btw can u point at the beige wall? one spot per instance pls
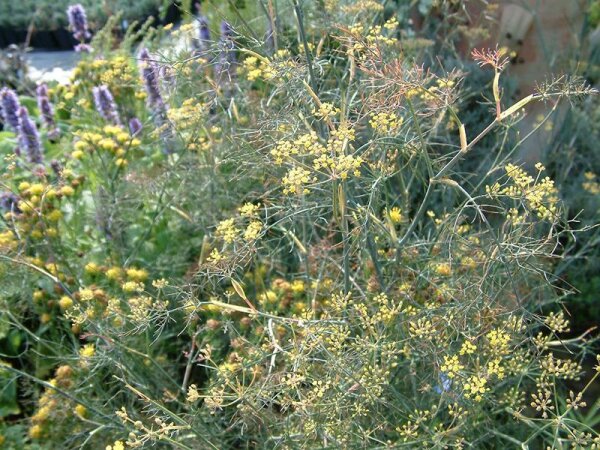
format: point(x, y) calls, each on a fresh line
point(546, 36)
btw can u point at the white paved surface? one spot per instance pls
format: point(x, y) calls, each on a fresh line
point(52, 65)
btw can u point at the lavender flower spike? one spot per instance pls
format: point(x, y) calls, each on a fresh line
point(9, 107)
point(9, 202)
point(204, 31)
point(105, 104)
point(29, 139)
point(150, 77)
point(78, 22)
point(135, 126)
point(47, 111)
point(227, 59)
point(83, 48)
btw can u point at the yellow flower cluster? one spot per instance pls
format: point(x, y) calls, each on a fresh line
point(467, 348)
point(395, 215)
point(356, 7)
point(557, 322)
point(375, 38)
point(422, 329)
point(117, 73)
point(385, 123)
point(38, 209)
point(113, 139)
point(249, 209)
point(8, 240)
point(295, 181)
point(498, 342)
point(253, 230)
point(326, 111)
point(257, 67)
point(590, 184)
point(303, 145)
point(475, 387)
point(451, 366)
point(227, 230)
point(188, 116)
point(539, 194)
point(49, 407)
point(334, 157)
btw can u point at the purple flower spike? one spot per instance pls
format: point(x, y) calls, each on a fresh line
point(9, 202)
point(29, 139)
point(56, 167)
point(135, 126)
point(150, 75)
point(9, 107)
point(78, 22)
point(227, 59)
point(47, 111)
point(270, 38)
point(204, 33)
point(105, 104)
point(83, 48)
point(226, 30)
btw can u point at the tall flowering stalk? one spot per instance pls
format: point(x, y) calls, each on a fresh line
point(270, 38)
point(203, 42)
point(135, 126)
point(47, 111)
point(149, 72)
point(29, 139)
point(79, 26)
point(9, 107)
point(204, 31)
point(225, 69)
point(9, 202)
point(150, 77)
point(105, 104)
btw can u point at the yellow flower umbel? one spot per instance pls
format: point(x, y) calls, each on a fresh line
point(249, 210)
point(385, 123)
point(538, 195)
point(326, 111)
point(296, 180)
point(395, 215)
point(451, 366)
point(475, 387)
point(227, 230)
point(135, 274)
point(87, 351)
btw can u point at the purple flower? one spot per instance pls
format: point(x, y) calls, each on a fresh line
point(78, 22)
point(105, 104)
point(150, 76)
point(135, 126)
point(29, 139)
point(47, 111)
point(204, 33)
point(83, 48)
point(56, 167)
point(9, 106)
point(446, 384)
point(9, 202)
point(225, 68)
point(270, 38)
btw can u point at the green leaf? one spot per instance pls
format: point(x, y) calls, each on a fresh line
point(8, 394)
